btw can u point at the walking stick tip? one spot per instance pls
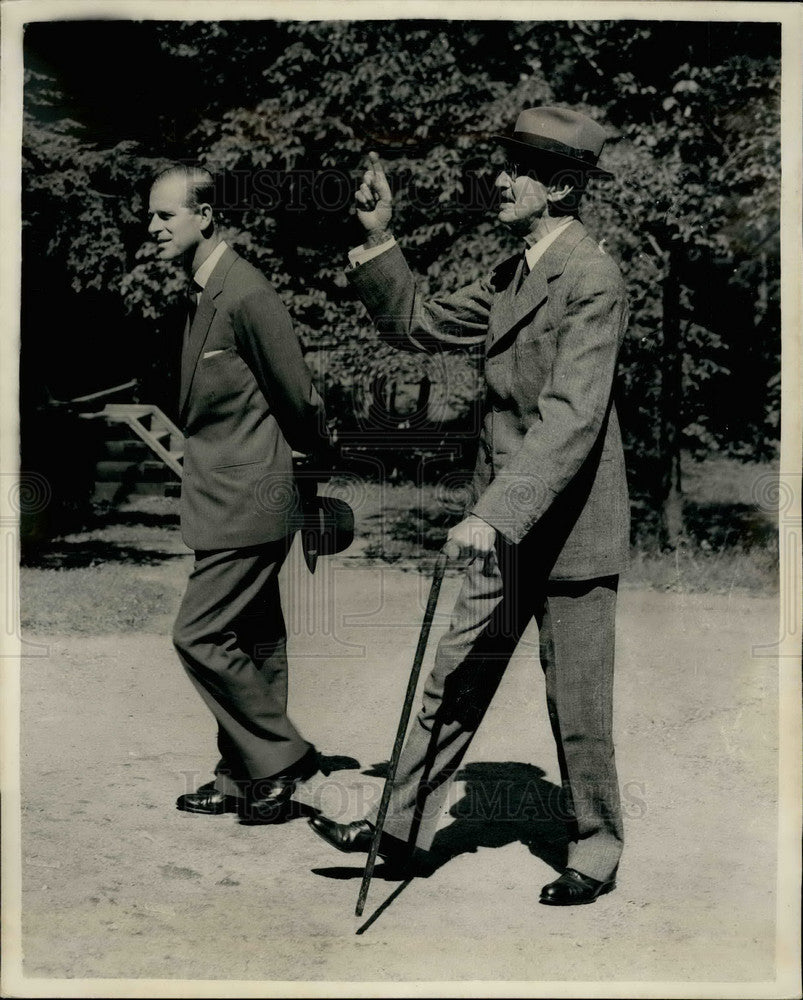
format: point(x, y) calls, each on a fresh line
point(429, 613)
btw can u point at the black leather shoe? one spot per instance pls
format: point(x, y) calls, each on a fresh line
point(573, 889)
point(270, 797)
point(208, 801)
point(346, 837)
point(356, 837)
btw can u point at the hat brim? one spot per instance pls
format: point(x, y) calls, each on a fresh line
point(557, 161)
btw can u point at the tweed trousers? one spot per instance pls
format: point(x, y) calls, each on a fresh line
point(499, 597)
point(231, 638)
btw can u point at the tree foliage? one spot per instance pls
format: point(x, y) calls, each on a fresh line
point(286, 111)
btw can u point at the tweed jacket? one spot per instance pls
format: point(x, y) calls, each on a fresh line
point(550, 467)
point(247, 400)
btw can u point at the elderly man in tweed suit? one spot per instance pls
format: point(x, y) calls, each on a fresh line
point(548, 528)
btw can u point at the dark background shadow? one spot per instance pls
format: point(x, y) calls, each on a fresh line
point(94, 552)
point(720, 526)
point(74, 550)
point(135, 519)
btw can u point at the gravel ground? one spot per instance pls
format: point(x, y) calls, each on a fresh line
point(117, 884)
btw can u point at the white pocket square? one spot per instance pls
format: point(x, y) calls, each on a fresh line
point(211, 354)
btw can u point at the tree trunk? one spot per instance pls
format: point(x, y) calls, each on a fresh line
point(422, 406)
point(670, 515)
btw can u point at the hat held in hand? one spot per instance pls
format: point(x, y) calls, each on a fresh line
point(558, 140)
point(328, 528)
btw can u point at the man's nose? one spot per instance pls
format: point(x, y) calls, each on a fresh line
point(154, 225)
point(503, 180)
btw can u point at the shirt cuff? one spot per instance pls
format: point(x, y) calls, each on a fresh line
point(362, 254)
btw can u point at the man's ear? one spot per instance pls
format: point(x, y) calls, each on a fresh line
point(558, 194)
point(207, 216)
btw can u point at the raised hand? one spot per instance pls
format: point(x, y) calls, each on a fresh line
point(373, 197)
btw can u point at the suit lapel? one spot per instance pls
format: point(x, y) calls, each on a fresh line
point(201, 323)
point(511, 306)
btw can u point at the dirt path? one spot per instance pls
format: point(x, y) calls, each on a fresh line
point(117, 883)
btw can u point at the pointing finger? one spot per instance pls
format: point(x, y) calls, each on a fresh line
point(379, 180)
point(376, 164)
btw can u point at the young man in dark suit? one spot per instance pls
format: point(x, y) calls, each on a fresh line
point(246, 401)
point(548, 528)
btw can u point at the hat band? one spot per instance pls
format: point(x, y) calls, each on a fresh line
point(553, 146)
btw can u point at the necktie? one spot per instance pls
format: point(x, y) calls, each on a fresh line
point(525, 270)
point(193, 290)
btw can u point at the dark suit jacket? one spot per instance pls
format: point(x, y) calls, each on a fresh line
point(550, 470)
point(243, 409)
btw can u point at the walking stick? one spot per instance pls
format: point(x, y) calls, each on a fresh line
point(434, 590)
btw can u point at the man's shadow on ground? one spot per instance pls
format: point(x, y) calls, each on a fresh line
point(503, 803)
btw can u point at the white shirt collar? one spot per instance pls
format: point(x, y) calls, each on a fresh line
point(204, 272)
point(537, 250)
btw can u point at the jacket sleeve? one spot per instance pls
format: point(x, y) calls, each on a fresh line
point(405, 320)
point(572, 407)
point(268, 344)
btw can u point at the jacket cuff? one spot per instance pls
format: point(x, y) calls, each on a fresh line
point(513, 504)
point(363, 253)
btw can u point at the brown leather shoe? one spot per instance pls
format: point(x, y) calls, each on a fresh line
point(208, 801)
point(574, 889)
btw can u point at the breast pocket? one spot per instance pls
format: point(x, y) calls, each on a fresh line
point(221, 374)
point(216, 356)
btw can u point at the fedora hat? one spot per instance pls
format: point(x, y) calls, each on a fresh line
point(558, 138)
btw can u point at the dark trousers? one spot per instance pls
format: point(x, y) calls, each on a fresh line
point(231, 638)
point(499, 597)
